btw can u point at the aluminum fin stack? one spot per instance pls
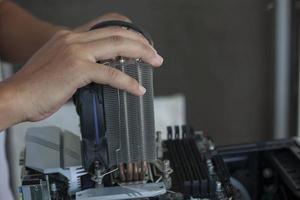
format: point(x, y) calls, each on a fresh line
point(129, 119)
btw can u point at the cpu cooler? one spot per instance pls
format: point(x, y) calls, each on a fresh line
point(117, 127)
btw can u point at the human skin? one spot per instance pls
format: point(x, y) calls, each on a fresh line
point(59, 61)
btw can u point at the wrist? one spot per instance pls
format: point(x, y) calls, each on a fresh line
point(10, 108)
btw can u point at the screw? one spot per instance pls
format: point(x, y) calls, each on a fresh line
point(210, 166)
point(53, 187)
point(218, 186)
point(267, 173)
point(121, 60)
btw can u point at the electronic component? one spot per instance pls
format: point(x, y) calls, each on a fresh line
point(190, 166)
point(199, 172)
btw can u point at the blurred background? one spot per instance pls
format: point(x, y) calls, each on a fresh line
point(218, 54)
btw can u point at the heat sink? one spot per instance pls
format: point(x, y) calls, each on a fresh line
point(129, 119)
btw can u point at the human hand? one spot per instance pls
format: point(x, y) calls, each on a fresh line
point(69, 61)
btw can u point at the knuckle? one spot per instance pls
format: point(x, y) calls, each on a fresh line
point(112, 73)
point(147, 50)
point(144, 47)
point(72, 57)
point(116, 39)
point(73, 49)
point(132, 83)
point(67, 38)
point(77, 63)
point(61, 33)
point(74, 64)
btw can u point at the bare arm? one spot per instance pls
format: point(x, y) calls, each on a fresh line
point(21, 34)
point(63, 64)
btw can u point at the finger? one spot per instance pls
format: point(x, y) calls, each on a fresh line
point(103, 74)
point(110, 31)
point(113, 16)
point(106, 17)
point(114, 46)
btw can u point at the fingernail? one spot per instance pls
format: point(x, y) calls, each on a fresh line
point(160, 59)
point(142, 89)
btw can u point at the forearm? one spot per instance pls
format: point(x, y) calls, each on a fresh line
point(10, 112)
point(21, 34)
